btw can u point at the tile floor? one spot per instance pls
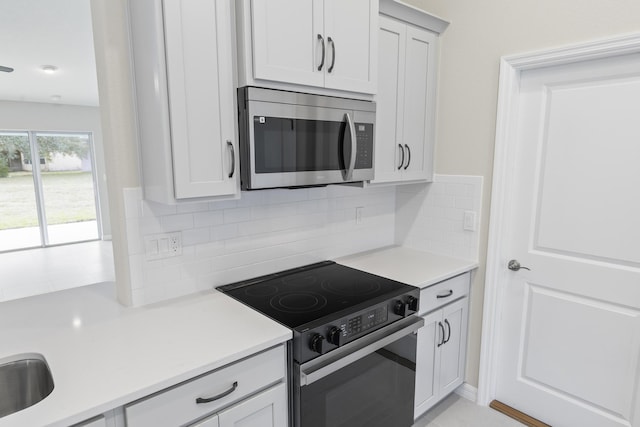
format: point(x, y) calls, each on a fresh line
point(38, 271)
point(456, 411)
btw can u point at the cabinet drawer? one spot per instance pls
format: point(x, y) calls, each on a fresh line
point(177, 405)
point(444, 292)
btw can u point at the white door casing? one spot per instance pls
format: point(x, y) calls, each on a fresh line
point(562, 342)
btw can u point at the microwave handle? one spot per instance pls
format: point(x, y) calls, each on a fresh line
point(348, 173)
point(322, 367)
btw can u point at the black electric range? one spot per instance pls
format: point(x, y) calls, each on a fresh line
point(327, 305)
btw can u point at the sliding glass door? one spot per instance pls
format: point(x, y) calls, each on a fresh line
point(47, 189)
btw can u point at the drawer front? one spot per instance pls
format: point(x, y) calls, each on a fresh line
point(177, 405)
point(443, 293)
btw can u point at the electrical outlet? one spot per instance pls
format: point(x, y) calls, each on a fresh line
point(158, 246)
point(175, 244)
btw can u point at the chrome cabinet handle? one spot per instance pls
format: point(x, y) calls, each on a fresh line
point(441, 330)
point(447, 295)
point(449, 331)
point(218, 396)
point(514, 265)
point(233, 158)
point(333, 56)
point(348, 173)
point(321, 63)
point(401, 161)
point(409, 156)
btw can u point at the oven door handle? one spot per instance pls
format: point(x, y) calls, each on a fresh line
point(319, 368)
point(353, 147)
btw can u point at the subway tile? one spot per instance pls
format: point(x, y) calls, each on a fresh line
point(237, 215)
point(195, 236)
point(192, 207)
point(224, 232)
point(208, 219)
point(152, 209)
point(464, 203)
point(177, 222)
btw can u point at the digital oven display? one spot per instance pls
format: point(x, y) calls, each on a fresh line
point(368, 320)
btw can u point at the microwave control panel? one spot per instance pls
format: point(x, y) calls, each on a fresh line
point(364, 141)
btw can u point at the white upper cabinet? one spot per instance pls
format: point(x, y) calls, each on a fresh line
point(329, 44)
point(184, 78)
point(406, 98)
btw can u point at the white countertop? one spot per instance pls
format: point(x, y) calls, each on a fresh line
point(102, 355)
point(410, 266)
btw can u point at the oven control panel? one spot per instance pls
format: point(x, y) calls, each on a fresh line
point(322, 339)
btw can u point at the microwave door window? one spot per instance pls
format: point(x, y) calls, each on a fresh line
point(297, 145)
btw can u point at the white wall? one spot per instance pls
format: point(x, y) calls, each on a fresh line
point(52, 117)
point(480, 33)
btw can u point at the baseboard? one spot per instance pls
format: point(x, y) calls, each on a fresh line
point(467, 391)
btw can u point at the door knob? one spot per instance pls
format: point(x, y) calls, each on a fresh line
point(514, 265)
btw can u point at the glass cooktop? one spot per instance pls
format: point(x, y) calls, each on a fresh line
point(305, 294)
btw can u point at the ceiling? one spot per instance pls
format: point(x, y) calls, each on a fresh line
point(34, 33)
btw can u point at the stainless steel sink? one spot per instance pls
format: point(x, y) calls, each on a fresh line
point(25, 380)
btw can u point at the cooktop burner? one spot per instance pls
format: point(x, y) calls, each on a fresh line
point(302, 295)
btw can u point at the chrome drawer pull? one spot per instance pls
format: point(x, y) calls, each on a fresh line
point(447, 295)
point(219, 396)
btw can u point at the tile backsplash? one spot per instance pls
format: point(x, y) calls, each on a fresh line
point(430, 217)
point(271, 230)
point(262, 232)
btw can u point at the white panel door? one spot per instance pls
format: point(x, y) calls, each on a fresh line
point(570, 328)
point(390, 99)
point(419, 104)
point(351, 30)
point(286, 46)
point(267, 409)
point(200, 79)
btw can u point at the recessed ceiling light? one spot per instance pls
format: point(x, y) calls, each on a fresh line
point(49, 69)
point(56, 97)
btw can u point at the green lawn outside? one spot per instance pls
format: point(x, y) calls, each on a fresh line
point(68, 197)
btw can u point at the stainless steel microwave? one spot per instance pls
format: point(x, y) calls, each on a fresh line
point(290, 139)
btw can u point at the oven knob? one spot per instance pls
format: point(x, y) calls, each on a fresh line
point(318, 344)
point(413, 303)
point(401, 308)
point(335, 336)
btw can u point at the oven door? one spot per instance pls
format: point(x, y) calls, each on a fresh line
point(368, 382)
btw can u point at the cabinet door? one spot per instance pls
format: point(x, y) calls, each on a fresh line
point(199, 59)
point(427, 363)
point(286, 47)
point(419, 103)
point(267, 409)
point(207, 422)
point(390, 100)
point(351, 54)
point(453, 351)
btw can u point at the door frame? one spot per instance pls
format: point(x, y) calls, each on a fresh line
point(501, 193)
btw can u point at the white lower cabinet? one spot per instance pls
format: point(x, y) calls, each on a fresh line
point(249, 393)
point(266, 409)
point(442, 341)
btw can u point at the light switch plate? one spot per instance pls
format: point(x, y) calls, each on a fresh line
point(469, 221)
point(159, 246)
